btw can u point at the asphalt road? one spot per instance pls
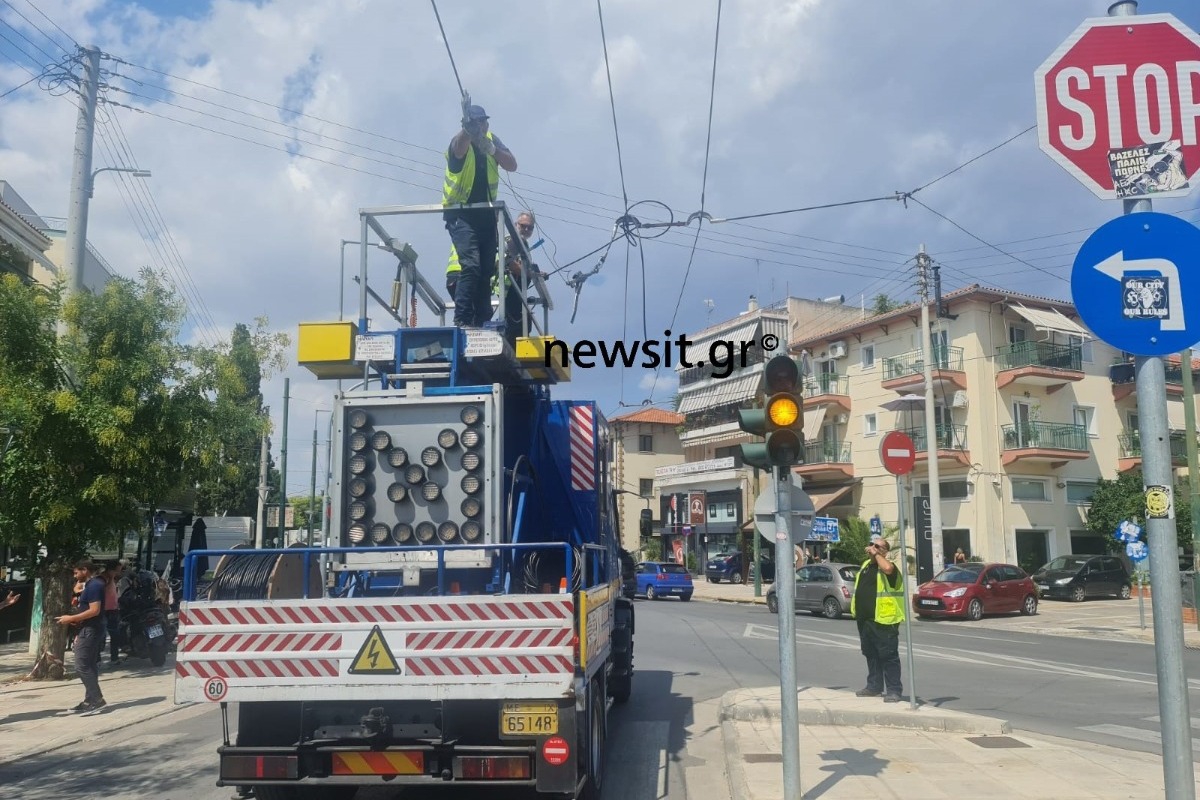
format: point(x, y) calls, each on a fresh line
point(666, 742)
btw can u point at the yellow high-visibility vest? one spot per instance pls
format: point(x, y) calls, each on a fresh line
point(889, 602)
point(457, 188)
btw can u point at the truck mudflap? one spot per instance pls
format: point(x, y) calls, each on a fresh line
point(477, 647)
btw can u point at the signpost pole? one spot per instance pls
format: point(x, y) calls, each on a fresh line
point(908, 612)
point(757, 546)
point(785, 590)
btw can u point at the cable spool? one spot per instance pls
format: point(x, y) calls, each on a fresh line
point(264, 576)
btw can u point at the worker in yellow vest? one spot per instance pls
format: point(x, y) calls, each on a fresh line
point(878, 606)
point(514, 269)
point(473, 160)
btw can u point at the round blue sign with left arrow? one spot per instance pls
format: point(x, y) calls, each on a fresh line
point(1136, 283)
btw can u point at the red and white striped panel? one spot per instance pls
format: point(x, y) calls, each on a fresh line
point(259, 642)
point(490, 639)
point(549, 609)
point(449, 666)
point(259, 668)
point(583, 448)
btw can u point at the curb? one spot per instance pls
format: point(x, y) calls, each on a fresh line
point(735, 773)
point(735, 600)
point(736, 706)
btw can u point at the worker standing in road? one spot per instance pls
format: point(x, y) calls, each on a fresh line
point(878, 606)
point(472, 176)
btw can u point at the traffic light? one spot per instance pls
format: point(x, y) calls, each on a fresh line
point(780, 421)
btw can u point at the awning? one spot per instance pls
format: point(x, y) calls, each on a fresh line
point(825, 498)
point(720, 393)
point(745, 332)
point(813, 419)
point(1050, 320)
point(32, 252)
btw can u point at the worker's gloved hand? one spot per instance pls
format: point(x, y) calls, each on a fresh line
point(466, 103)
point(487, 146)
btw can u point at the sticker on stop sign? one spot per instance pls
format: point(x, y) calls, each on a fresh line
point(1119, 106)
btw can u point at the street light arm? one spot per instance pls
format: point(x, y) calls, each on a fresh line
point(137, 173)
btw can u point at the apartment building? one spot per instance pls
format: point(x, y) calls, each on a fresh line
point(704, 503)
point(1031, 411)
point(43, 241)
point(643, 441)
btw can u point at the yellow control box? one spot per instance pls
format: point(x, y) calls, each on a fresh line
point(326, 349)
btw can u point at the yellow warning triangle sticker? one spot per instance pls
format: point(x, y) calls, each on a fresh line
point(374, 657)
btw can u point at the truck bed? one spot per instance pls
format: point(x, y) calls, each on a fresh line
point(476, 647)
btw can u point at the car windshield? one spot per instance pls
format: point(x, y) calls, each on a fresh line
point(958, 575)
point(674, 569)
point(1071, 563)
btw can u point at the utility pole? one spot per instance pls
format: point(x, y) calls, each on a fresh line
point(931, 437)
point(1179, 772)
point(312, 487)
point(1189, 425)
point(785, 594)
point(81, 171)
point(757, 546)
point(261, 521)
point(283, 439)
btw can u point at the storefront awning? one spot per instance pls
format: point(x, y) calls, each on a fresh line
point(825, 498)
point(1050, 320)
point(813, 419)
point(721, 393)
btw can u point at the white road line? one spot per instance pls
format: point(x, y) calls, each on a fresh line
point(1127, 732)
point(1156, 718)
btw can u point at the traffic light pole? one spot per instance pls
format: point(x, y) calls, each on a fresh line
point(785, 592)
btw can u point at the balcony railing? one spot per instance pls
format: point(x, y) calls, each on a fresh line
point(913, 363)
point(826, 384)
point(949, 437)
point(1123, 372)
point(1040, 354)
point(827, 453)
point(1131, 445)
point(1050, 435)
point(753, 355)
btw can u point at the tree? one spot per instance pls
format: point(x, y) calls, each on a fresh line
point(1124, 499)
point(882, 304)
point(854, 533)
point(113, 416)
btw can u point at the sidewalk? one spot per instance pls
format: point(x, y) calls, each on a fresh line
point(1099, 618)
point(850, 748)
point(34, 715)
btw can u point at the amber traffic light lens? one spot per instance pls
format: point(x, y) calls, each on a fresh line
point(783, 412)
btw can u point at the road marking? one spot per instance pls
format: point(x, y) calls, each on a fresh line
point(1157, 719)
point(1127, 732)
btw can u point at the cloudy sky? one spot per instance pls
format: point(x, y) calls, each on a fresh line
point(267, 125)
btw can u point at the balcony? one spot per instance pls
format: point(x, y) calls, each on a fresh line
point(1131, 450)
point(907, 372)
point(1039, 364)
point(1124, 378)
point(950, 443)
point(833, 390)
point(826, 461)
point(1053, 442)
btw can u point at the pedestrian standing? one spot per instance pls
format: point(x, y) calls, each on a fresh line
point(959, 556)
point(473, 162)
point(878, 607)
point(112, 611)
point(89, 615)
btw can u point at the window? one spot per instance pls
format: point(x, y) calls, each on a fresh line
point(729, 510)
point(712, 510)
point(1080, 492)
point(1029, 489)
point(870, 424)
point(1012, 573)
point(820, 574)
point(646, 487)
point(868, 356)
point(1085, 416)
point(1131, 422)
point(950, 490)
point(645, 443)
point(1015, 334)
point(1085, 346)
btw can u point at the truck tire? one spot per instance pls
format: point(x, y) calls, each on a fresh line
point(597, 727)
point(620, 682)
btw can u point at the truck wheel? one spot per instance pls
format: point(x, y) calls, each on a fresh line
point(158, 651)
point(620, 681)
point(597, 734)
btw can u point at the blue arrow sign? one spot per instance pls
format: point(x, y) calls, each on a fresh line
point(1136, 283)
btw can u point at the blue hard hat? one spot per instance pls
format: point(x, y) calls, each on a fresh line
point(476, 112)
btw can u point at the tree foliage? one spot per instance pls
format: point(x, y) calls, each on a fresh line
point(1123, 498)
point(853, 533)
point(882, 304)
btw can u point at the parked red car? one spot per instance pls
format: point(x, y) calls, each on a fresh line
point(972, 590)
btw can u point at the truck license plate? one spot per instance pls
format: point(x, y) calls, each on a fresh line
point(154, 631)
point(528, 719)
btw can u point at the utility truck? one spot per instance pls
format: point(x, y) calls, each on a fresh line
point(463, 623)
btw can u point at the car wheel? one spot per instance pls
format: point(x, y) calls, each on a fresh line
point(651, 594)
point(735, 577)
point(685, 597)
point(1029, 605)
point(1078, 594)
point(1125, 592)
point(772, 604)
point(832, 608)
point(711, 579)
point(975, 610)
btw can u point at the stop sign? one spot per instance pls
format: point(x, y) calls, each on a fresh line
point(1115, 85)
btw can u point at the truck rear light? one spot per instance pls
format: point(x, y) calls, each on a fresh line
point(260, 767)
point(490, 768)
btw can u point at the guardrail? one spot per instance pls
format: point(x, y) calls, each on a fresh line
point(947, 437)
point(913, 363)
point(1052, 435)
point(827, 453)
point(1040, 354)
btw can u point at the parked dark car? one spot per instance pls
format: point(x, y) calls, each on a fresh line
point(1080, 577)
point(725, 567)
point(821, 589)
point(657, 579)
point(768, 570)
point(628, 572)
point(972, 590)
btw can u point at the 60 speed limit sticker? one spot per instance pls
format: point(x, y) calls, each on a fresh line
point(215, 689)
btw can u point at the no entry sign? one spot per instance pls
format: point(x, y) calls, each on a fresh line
point(1118, 106)
point(898, 453)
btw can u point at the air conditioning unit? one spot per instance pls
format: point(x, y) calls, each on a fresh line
point(837, 349)
point(841, 419)
point(960, 400)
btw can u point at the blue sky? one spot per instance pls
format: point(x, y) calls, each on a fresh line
point(817, 101)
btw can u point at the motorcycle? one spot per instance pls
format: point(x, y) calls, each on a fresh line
point(145, 626)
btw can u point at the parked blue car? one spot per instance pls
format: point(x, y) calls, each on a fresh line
point(656, 579)
point(725, 567)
